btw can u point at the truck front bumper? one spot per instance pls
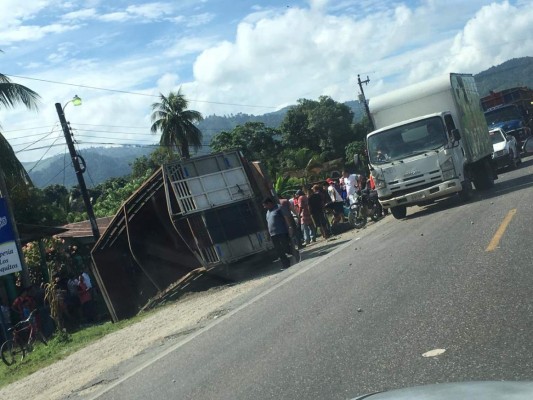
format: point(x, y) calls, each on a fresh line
point(440, 190)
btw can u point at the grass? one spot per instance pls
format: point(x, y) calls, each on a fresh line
point(59, 347)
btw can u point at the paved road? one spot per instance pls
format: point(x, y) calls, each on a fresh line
point(423, 283)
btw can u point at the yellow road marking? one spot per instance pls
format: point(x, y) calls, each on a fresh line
point(501, 230)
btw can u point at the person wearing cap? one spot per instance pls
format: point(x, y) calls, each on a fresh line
point(306, 222)
point(281, 231)
point(337, 203)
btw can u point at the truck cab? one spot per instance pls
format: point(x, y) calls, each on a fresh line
point(431, 141)
point(416, 161)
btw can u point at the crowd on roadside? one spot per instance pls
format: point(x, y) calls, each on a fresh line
point(75, 300)
point(300, 219)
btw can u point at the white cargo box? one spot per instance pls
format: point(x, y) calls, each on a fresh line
point(206, 182)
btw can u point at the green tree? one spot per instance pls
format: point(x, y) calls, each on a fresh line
point(176, 123)
point(297, 159)
point(115, 194)
point(12, 94)
point(32, 207)
point(255, 140)
point(144, 165)
point(324, 127)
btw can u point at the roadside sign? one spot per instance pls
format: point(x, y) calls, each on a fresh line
point(9, 255)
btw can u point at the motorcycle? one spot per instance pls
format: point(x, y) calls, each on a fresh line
point(364, 204)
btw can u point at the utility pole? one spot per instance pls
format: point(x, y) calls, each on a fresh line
point(79, 171)
point(363, 99)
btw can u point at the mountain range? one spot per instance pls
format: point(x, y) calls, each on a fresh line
point(108, 162)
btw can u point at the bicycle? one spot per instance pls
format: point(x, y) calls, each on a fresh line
point(24, 335)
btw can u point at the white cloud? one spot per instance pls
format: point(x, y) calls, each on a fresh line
point(119, 16)
point(199, 19)
point(32, 32)
point(150, 10)
point(188, 45)
point(498, 32)
point(147, 12)
point(86, 13)
point(277, 57)
point(14, 16)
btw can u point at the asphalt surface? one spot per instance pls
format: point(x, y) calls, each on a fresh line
point(358, 319)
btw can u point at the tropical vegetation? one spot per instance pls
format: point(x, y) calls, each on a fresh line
point(176, 124)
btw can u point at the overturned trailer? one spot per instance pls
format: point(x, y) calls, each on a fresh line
point(196, 213)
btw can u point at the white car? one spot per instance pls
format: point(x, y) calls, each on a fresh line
point(505, 149)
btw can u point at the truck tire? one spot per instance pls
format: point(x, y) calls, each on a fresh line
point(465, 195)
point(399, 212)
point(483, 176)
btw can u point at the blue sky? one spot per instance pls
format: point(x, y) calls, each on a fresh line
point(233, 56)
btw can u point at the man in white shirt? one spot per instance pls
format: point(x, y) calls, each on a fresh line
point(352, 183)
point(337, 203)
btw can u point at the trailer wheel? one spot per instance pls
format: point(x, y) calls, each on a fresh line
point(399, 212)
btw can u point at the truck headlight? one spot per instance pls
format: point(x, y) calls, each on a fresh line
point(379, 180)
point(448, 169)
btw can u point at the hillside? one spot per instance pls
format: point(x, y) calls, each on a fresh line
point(511, 73)
point(102, 163)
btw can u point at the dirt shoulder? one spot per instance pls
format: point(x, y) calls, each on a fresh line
point(76, 375)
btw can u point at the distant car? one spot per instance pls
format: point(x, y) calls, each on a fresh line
point(505, 149)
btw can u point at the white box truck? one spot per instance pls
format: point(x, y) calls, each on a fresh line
point(431, 141)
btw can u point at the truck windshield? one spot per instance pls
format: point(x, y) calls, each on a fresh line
point(502, 114)
point(407, 140)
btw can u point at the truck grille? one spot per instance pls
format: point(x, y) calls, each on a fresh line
point(401, 192)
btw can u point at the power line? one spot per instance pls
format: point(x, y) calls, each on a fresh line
point(25, 143)
point(38, 140)
point(134, 93)
point(39, 148)
point(122, 133)
point(26, 136)
point(26, 129)
point(105, 137)
point(112, 126)
point(40, 159)
point(51, 179)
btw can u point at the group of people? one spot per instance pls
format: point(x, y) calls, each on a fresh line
point(75, 294)
point(295, 222)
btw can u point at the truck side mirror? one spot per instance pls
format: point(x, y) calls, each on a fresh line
point(356, 160)
point(455, 134)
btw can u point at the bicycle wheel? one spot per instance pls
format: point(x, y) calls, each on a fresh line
point(11, 352)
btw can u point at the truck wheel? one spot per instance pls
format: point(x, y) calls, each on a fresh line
point(399, 212)
point(483, 176)
point(465, 195)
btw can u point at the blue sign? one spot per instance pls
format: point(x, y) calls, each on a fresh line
point(9, 255)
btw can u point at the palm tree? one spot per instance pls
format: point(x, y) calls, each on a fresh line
point(176, 124)
point(12, 94)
